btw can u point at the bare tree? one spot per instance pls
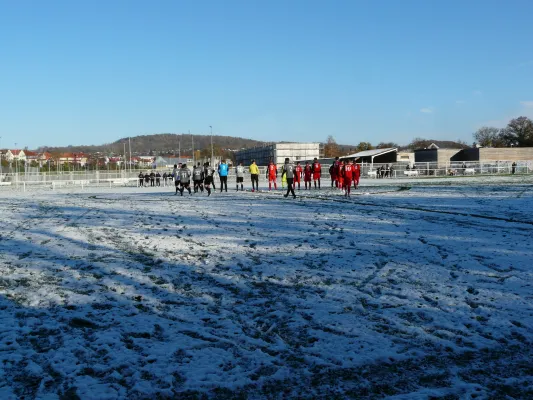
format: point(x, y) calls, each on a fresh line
point(331, 148)
point(489, 137)
point(362, 146)
point(419, 143)
point(386, 145)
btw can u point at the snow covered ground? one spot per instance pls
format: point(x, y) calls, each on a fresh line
point(411, 289)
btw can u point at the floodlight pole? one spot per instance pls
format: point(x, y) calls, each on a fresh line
point(129, 141)
point(192, 139)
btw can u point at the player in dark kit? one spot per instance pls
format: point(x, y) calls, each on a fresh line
point(198, 178)
point(185, 179)
point(317, 172)
point(308, 171)
point(288, 171)
point(209, 172)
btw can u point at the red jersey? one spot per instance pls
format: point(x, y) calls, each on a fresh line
point(348, 172)
point(357, 171)
point(317, 170)
point(272, 170)
point(298, 173)
point(307, 172)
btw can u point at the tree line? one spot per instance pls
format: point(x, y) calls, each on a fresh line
point(517, 133)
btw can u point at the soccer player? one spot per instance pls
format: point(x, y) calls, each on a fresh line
point(176, 176)
point(198, 178)
point(347, 172)
point(209, 172)
point(334, 171)
point(272, 174)
point(239, 173)
point(287, 171)
point(223, 174)
point(340, 176)
point(185, 179)
point(298, 172)
point(356, 174)
point(308, 171)
point(317, 172)
point(254, 174)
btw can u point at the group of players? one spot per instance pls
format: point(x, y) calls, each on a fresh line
point(202, 177)
point(343, 175)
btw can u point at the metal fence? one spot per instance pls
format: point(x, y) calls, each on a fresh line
point(434, 169)
point(56, 180)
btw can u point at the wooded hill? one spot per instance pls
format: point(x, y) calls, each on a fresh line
point(165, 143)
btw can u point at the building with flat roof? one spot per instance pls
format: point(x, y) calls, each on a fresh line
point(376, 156)
point(483, 154)
point(435, 155)
point(277, 152)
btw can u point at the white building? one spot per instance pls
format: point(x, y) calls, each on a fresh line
point(277, 152)
point(12, 155)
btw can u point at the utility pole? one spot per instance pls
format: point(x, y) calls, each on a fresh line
point(211, 144)
point(125, 158)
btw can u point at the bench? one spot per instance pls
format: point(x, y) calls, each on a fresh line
point(411, 173)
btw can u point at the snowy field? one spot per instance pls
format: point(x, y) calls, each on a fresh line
point(411, 289)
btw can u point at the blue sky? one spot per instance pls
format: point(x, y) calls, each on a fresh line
point(91, 72)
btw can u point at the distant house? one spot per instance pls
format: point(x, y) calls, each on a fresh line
point(145, 161)
point(79, 159)
point(31, 156)
point(14, 155)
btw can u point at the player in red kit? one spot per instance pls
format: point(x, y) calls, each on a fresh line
point(317, 172)
point(308, 171)
point(298, 172)
point(340, 176)
point(348, 175)
point(272, 174)
point(357, 174)
point(334, 172)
